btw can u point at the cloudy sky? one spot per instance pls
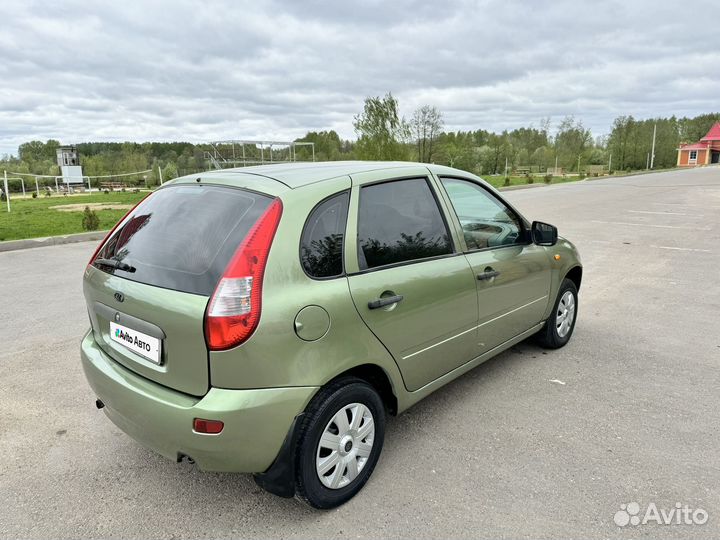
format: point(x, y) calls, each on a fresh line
point(201, 71)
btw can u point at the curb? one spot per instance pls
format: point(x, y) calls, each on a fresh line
point(28, 243)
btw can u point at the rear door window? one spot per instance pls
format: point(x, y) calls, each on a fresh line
point(400, 221)
point(182, 237)
point(321, 247)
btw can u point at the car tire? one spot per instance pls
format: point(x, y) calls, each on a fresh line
point(353, 444)
point(557, 330)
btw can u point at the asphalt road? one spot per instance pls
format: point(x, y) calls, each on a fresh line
point(531, 443)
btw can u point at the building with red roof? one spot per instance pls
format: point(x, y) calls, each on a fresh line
point(703, 152)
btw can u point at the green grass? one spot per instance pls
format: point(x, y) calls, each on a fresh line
point(499, 181)
point(33, 218)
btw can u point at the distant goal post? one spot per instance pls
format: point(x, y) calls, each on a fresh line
point(243, 153)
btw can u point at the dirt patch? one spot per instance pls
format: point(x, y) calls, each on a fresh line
point(93, 206)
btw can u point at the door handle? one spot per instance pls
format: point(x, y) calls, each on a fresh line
point(489, 273)
point(386, 301)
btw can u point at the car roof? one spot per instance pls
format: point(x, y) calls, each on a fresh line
point(295, 175)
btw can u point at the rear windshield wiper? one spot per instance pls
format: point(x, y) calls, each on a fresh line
point(114, 263)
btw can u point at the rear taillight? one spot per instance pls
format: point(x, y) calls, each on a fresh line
point(234, 309)
point(108, 235)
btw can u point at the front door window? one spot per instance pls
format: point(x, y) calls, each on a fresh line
point(486, 222)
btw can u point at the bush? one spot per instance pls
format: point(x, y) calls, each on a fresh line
point(106, 191)
point(34, 194)
point(90, 221)
point(48, 193)
point(507, 181)
point(548, 178)
point(529, 178)
point(136, 190)
point(123, 190)
point(3, 197)
point(581, 176)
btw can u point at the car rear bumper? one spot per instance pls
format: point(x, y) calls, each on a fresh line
point(256, 421)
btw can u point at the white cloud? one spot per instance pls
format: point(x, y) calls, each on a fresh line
point(202, 71)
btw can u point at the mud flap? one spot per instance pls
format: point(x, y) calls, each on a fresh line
point(279, 479)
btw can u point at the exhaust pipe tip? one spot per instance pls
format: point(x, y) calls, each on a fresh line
point(99, 404)
point(184, 457)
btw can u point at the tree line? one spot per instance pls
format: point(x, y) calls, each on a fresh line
point(384, 134)
point(169, 159)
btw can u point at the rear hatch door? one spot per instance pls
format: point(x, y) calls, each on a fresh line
point(148, 286)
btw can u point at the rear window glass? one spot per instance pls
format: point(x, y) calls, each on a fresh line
point(321, 247)
point(182, 237)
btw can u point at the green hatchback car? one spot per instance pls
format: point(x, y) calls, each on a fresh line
point(267, 319)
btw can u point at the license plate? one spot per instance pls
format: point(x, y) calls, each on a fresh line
point(146, 346)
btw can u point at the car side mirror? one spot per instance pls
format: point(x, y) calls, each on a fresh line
point(544, 234)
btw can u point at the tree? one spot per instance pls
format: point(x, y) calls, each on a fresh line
point(38, 150)
point(426, 125)
point(381, 131)
point(618, 143)
point(90, 220)
point(328, 146)
point(457, 149)
point(571, 141)
point(692, 129)
point(500, 150)
point(169, 172)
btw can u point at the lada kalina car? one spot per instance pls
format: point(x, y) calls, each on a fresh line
point(268, 319)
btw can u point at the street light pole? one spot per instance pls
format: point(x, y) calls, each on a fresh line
point(652, 154)
point(7, 193)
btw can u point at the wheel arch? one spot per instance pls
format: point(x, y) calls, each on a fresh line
point(575, 275)
point(378, 378)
